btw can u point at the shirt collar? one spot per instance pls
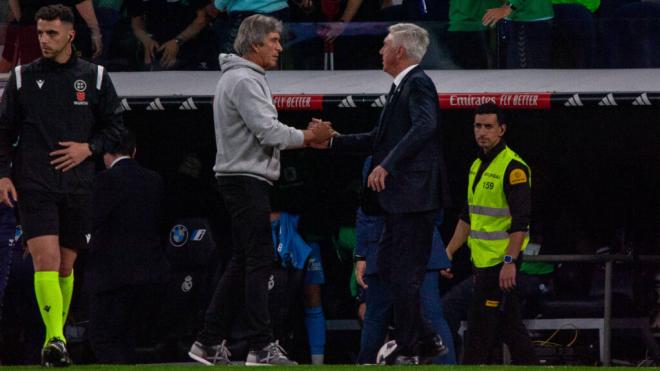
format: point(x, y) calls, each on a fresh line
point(402, 74)
point(117, 160)
point(487, 157)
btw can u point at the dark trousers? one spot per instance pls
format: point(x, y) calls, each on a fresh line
point(246, 277)
point(524, 44)
point(117, 318)
point(404, 252)
point(495, 317)
point(469, 50)
point(379, 314)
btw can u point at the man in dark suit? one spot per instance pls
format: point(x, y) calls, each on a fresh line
point(408, 176)
point(126, 263)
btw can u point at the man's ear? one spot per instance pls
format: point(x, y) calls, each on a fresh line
point(401, 52)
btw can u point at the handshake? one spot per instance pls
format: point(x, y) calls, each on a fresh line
point(318, 134)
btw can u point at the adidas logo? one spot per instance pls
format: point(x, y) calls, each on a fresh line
point(125, 105)
point(642, 100)
point(156, 105)
point(188, 105)
point(40, 83)
point(88, 237)
point(608, 100)
point(347, 102)
point(574, 101)
point(380, 101)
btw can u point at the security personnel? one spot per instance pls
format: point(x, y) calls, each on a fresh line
point(64, 110)
point(495, 224)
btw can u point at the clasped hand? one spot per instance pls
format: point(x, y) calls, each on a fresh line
point(322, 131)
point(70, 156)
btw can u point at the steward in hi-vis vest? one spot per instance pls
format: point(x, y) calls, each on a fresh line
point(495, 225)
point(488, 208)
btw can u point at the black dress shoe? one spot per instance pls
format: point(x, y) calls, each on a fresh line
point(430, 347)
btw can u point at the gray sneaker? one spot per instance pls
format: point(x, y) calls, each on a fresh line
point(210, 355)
point(271, 354)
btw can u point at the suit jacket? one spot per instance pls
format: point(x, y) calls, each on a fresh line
point(125, 247)
point(407, 142)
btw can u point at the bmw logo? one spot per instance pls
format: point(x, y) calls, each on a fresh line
point(178, 235)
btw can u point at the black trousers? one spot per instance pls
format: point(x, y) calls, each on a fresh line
point(116, 318)
point(495, 317)
point(246, 277)
point(405, 248)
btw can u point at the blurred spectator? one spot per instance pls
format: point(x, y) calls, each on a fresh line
point(108, 13)
point(467, 38)
point(574, 33)
point(414, 10)
point(126, 265)
point(336, 25)
point(9, 55)
point(22, 332)
point(591, 5)
point(523, 40)
point(88, 41)
point(332, 42)
point(295, 254)
point(391, 10)
point(170, 32)
point(632, 36)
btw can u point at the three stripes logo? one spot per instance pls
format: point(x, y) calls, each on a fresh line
point(125, 105)
point(380, 101)
point(574, 101)
point(347, 102)
point(608, 100)
point(156, 105)
point(188, 105)
point(642, 100)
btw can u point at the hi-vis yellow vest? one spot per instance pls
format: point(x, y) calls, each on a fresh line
point(490, 218)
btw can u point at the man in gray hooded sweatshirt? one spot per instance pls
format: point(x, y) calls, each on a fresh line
point(249, 139)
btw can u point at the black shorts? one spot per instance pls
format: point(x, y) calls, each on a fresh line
point(66, 215)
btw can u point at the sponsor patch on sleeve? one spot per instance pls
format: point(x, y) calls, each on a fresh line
point(517, 176)
point(492, 303)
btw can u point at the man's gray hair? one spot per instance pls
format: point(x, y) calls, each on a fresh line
point(253, 30)
point(412, 38)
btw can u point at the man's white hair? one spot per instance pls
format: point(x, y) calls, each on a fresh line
point(412, 38)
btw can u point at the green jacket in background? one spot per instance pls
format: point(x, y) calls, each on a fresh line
point(592, 5)
point(465, 15)
point(531, 10)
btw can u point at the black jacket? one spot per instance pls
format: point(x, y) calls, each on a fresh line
point(45, 103)
point(407, 142)
point(126, 245)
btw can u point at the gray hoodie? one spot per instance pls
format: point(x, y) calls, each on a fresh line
point(248, 134)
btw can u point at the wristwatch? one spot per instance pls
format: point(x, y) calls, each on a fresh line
point(508, 259)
